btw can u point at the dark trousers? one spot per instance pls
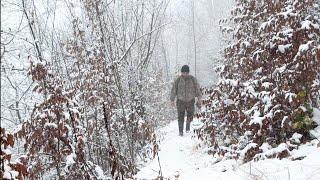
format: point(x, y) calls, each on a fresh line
point(183, 107)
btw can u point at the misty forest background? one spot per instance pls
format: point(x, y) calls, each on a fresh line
point(85, 83)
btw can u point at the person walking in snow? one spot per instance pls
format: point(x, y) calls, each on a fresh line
point(186, 89)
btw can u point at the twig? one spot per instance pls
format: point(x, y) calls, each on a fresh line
point(160, 171)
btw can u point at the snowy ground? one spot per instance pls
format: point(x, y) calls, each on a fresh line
point(181, 159)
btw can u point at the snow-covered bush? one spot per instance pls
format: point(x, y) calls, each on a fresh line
point(10, 169)
point(54, 137)
point(269, 80)
point(99, 97)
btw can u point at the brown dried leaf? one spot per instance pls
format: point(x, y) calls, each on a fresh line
point(10, 140)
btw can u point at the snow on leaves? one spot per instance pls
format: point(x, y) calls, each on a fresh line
point(10, 169)
point(270, 74)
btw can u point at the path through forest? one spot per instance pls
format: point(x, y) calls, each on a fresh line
point(181, 159)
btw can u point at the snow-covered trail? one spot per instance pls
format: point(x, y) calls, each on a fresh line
point(182, 159)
